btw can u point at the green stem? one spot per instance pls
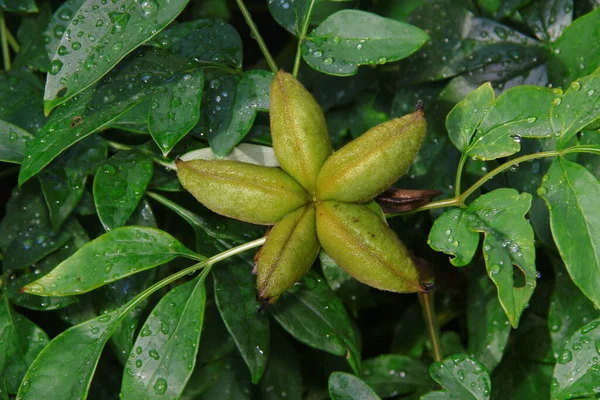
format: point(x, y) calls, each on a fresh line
point(259, 39)
point(12, 41)
point(4, 39)
point(426, 300)
point(459, 201)
point(459, 170)
point(125, 147)
point(301, 37)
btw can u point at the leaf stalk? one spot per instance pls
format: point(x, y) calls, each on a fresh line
point(4, 40)
point(257, 36)
point(301, 37)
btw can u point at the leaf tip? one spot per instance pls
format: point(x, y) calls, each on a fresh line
point(33, 288)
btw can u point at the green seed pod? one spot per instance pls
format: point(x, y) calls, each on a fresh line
point(362, 244)
point(248, 192)
point(372, 163)
point(300, 139)
point(288, 253)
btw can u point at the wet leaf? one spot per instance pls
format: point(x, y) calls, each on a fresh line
point(22, 340)
point(32, 54)
point(109, 31)
point(119, 186)
point(461, 377)
point(391, 375)
point(13, 142)
point(282, 378)
point(350, 38)
point(548, 18)
point(235, 294)
point(313, 314)
point(164, 353)
point(343, 386)
point(570, 192)
point(19, 6)
point(578, 369)
point(451, 234)
point(114, 255)
point(231, 105)
point(59, 21)
point(576, 52)
point(20, 102)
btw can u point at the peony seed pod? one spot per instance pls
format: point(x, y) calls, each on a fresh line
point(300, 139)
point(248, 192)
point(372, 163)
point(363, 245)
point(288, 253)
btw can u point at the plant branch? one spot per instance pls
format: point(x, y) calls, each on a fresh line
point(121, 146)
point(426, 300)
point(4, 39)
point(259, 39)
point(301, 37)
point(12, 41)
point(459, 170)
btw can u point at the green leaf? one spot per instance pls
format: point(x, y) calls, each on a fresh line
point(25, 212)
point(109, 31)
point(576, 52)
point(20, 100)
point(519, 112)
point(548, 18)
point(235, 295)
point(350, 38)
point(577, 108)
point(291, 15)
point(75, 353)
point(164, 354)
point(19, 6)
point(451, 234)
point(63, 183)
point(232, 381)
point(133, 120)
point(463, 43)
point(343, 386)
point(32, 54)
point(174, 113)
point(508, 243)
point(578, 369)
point(119, 186)
point(59, 20)
point(22, 340)
point(312, 314)
point(461, 377)
point(114, 255)
point(391, 375)
point(571, 191)
point(282, 379)
point(518, 378)
point(569, 309)
point(465, 117)
point(13, 142)
point(204, 42)
point(25, 251)
point(487, 324)
point(231, 106)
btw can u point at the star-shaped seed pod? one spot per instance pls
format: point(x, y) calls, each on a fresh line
point(318, 198)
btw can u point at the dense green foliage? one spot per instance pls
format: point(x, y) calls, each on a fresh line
point(116, 282)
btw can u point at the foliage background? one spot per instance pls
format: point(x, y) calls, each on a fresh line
point(203, 81)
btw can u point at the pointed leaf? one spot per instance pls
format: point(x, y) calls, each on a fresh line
point(119, 186)
point(164, 354)
point(451, 234)
point(235, 294)
point(25, 251)
point(571, 193)
point(109, 32)
point(114, 255)
point(22, 340)
point(461, 377)
point(313, 314)
point(231, 106)
point(13, 142)
point(350, 38)
point(577, 108)
point(548, 18)
point(175, 112)
point(577, 372)
point(343, 386)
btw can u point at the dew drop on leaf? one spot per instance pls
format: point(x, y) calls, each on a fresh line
point(160, 387)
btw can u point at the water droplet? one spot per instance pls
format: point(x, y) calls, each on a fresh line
point(531, 120)
point(381, 60)
point(494, 269)
point(565, 357)
point(160, 387)
point(146, 331)
point(556, 101)
point(359, 46)
point(328, 61)
point(591, 92)
point(149, 7)
point(62, 50)
point(65, 14)
point(318, 53)
point(516, 138)
point(138, 363)
point(76, 46)
point(154, 354)
point(55, 67)
point(541, 191)
point(575, 86)
point(104, 318)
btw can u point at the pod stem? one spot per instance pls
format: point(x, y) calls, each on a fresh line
point(426, 300)
point(257, 36)
point(4, 39)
